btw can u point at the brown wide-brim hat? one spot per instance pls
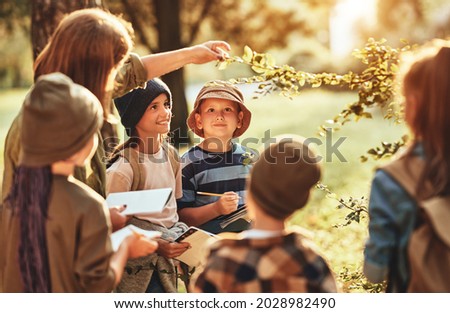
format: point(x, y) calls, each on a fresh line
point(219, 89)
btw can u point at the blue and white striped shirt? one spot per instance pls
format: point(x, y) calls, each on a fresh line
point(213, 172)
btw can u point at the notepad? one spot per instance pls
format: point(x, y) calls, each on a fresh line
point(199, 240)
point(118, 237)
point(236, 221)
point(141, 201)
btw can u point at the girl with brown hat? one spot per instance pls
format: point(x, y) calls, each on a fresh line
point(58, 239)
point(148, 161)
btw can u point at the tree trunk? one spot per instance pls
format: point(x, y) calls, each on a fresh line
point(45, 16)
point(169, 38)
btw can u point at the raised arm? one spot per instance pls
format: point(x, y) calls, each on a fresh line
point(162, 63)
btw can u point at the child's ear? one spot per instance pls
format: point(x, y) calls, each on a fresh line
point(198, 121)
point(240, 118)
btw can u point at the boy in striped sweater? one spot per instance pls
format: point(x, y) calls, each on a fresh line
point(216, 165)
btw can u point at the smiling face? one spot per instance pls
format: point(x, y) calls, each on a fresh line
point(218, 118)
point(156, 119)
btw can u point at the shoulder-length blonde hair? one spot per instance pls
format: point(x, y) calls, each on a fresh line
point(426, 87)
point(86, 46)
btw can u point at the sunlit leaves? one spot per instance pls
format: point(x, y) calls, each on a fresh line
point(356, 208)
point(386, 149)
point(375, 84)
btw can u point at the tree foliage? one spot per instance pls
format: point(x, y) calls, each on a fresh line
point(13, 15)
point(375, 85)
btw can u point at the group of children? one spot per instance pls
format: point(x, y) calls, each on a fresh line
point(56, 229)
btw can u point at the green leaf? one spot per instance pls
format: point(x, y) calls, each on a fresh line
point(316, 84)
point(222, 65)
point(258, 69)
point(270, 61)
point(248, 54)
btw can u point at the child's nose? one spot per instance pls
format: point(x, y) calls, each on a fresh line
point(219, 115)
point(166, 112)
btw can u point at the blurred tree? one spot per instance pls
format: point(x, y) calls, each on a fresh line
point(414, 20)
point(13, 14)
point(45, 16)
point(14, 29)
point(163, 25)
point(169, 38)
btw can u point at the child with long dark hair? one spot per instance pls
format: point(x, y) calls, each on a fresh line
point(58, 239)
point(93, 48)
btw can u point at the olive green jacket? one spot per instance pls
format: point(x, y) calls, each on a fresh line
point(132, 75)
point(77, 238)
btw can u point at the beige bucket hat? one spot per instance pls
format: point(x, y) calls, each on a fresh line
point(219, 89)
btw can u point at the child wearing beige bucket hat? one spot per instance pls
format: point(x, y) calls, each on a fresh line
point(217, 166)
point(269, 257)
point(58, 234)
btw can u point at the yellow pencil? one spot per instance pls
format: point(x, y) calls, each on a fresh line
point(210, 194)
point(203, 193)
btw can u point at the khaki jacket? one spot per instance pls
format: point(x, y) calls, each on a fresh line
point(77, 237)
point(132, 75)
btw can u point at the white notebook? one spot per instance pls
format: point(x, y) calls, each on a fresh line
point(118, 236)
point(140, 202)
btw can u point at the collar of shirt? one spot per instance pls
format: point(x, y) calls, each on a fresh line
point(260, 234)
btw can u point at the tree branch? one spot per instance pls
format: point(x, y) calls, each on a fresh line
point(196, 27)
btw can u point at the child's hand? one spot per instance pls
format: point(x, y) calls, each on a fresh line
point(139, 245)
point(228, 203)
point(118, 220)
point(171, 249)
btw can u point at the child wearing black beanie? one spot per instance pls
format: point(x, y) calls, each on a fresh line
point(147, 161)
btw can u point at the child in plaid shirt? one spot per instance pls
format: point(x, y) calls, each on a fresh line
point(268, 257)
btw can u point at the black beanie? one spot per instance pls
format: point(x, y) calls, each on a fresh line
point(133, 105)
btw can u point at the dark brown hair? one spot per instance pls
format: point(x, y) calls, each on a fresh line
point(29, 200)
point(86, 46)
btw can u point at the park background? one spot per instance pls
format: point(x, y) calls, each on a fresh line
point(309, 35)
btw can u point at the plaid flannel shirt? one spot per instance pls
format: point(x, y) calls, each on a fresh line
point(281, 264)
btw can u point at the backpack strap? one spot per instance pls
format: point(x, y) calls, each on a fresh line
point(135, 159)
point(406, 171)
point(136, 162)
point(174, 157)
point(438, 212)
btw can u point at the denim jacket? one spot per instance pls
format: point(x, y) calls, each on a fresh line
point(392, 216)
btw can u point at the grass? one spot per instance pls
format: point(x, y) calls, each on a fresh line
point(11, 100)
point(303, 115)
